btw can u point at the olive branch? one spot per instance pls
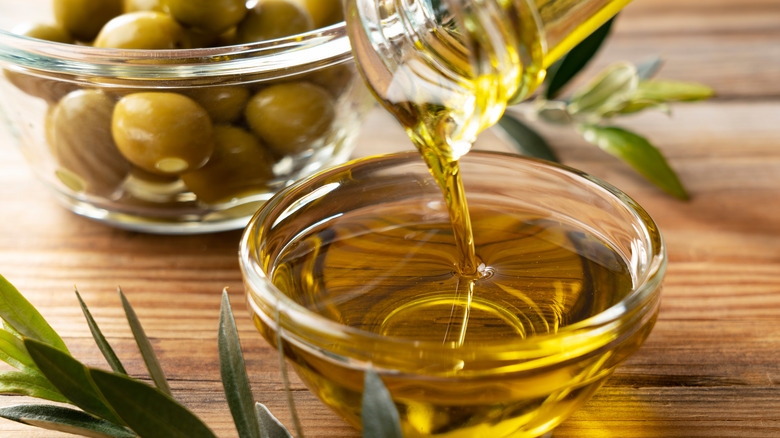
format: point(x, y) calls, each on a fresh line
point(621, 89)
point(111, 404)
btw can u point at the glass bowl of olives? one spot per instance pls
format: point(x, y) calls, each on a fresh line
point(177, 116)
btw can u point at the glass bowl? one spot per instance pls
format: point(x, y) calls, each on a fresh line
point(354, 267)
point(59, 100)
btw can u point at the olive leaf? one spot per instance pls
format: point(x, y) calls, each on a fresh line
point(270, 426)
point(607, 92)
point(145, 346)
point(25, 319)
point(70, 377)
point(649, 68)
point(100, 340)
point(11, 330)
point(147, 410)
point(379, 414)
point(29, 384)
point(234, 378)
point(64, 419)
point(13, 353)
point(563, 70)
point(527, 141)
point(638, 153)
point(671, 91)
point(553, 112)
point(656, 93)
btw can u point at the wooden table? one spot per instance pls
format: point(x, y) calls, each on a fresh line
point(710, 368)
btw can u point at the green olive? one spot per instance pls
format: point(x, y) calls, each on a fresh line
point(84, 18)
point(162, 132)
point(144, 5)
point(223, 103)
point(145, 187)
point(42, 31)
point(323, 12)
point(336, 79)
point(79, 133)
point(143, 30)
point(47, 89)
point(210, 16)
point(290, 117)
point(272, 19)
point(240, 164)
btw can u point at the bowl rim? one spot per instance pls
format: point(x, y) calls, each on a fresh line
point(287, 56)
point(641, 302)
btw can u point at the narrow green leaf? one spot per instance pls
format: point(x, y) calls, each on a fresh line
point(561, 72)
point(607, 92)
point(656, 94)
point(270, 426)
point(64, 419)
point(234, 378)
point(527, 141)
point(638, 153)
point(554, 112)
point(671, 91)
point(13, 353)
point(100, 340)
point(29, 384)
point(649, 68)
point(17, 312)
point(70, 377)
point(634, 106)
point(147, 410)
point(12, 330)
point(145, 346)
point(379, 414)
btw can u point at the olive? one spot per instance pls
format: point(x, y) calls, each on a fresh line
point(240, 164)
point(272, 19)
point(336, 79)
point(323, 12)
point(47, 89)
point(162, 132)
point(42, 31)
point(223, 103)
point(143, 30)
point(144, 186)
point(210, 16)
point(290, 117)
point(84, 18)
point(144, 5)
point(79, 133)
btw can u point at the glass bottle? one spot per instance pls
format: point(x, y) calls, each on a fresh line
point(448, 68)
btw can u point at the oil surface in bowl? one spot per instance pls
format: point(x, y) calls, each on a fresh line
point(392, 270)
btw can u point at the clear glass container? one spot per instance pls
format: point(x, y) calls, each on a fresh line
point(519, 382)
point(71, 149)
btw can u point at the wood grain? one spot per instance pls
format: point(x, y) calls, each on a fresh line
point(711, 367)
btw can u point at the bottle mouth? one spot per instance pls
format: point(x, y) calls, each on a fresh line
point(314, 332)
point(273, 59)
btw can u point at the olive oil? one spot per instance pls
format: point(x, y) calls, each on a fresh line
point(445, 273)
point(391, 270)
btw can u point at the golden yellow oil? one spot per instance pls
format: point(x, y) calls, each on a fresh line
point(478, 273)
point(392, 270)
